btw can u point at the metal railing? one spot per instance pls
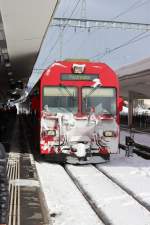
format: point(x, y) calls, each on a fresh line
point(139, 121)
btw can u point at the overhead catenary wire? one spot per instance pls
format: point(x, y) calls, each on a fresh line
point(58, 38)
point(82, 43)
point(61, 31)
point(147, 1)
point(66, 42)
point(102, 55)
point(71, 37)
point(134, 6)
point(119, 46)
point(131, 41)
point(67, 8)
point(83, 15)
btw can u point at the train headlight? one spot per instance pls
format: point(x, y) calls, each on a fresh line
point(109, 133)
point(51, 132)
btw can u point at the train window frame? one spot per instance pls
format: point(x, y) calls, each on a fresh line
point(56, 86)
point(102, 87)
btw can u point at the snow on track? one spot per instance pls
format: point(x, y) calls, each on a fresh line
point(133, 173)
point(119, 207)
point(66, 204)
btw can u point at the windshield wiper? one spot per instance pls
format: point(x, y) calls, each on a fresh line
point(69, 94)
point(89, 94)
point(66, 89)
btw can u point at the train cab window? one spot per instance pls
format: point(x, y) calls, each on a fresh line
point(60, 99)
point(103, 100)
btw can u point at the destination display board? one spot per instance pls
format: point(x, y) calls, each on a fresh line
point(78, 77)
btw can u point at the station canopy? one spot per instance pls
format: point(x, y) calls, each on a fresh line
point(23, 25)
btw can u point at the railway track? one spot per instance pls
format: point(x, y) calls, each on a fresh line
point(103, 202)
point(88, 198)
point(127, 190)
point(110, 201)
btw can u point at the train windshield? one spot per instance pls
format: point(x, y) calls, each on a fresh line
point(102, 100)
point(60, 99)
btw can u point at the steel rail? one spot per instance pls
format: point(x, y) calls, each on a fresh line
point(102, 217)
point(126, 189)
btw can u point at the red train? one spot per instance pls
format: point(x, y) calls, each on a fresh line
point(78, 107)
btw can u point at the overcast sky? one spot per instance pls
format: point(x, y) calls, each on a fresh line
point(97, 44)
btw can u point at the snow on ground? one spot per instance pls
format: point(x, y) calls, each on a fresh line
point(66, 204)
point(116, 204)
point(140, 138)
point(132, 172)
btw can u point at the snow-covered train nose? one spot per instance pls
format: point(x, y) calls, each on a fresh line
point(80, 149)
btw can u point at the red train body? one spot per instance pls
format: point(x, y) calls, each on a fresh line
point(79, 108)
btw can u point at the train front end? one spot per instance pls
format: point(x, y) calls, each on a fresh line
point(79, 115)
